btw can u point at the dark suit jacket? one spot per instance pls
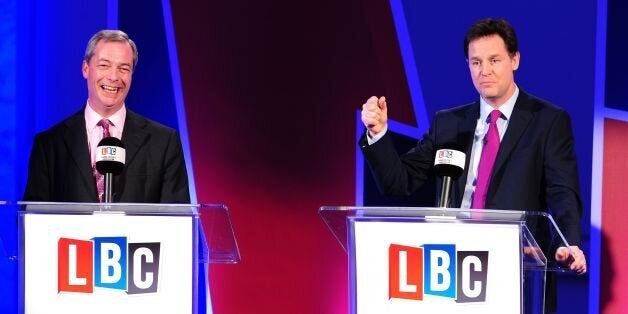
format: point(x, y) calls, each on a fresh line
point(60, 167)
point(535, 169)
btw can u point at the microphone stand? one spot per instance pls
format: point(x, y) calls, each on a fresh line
point(108, 193)
point(444, 193)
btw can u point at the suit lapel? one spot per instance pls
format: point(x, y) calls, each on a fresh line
point(75, 138)
point(467, 123)
point(134, 135)
point(519, 121)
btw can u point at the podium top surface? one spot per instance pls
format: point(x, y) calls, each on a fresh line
point(218, 242)
point(126, 208)
point(432, 213)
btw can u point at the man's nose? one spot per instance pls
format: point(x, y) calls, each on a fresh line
point(486, 68)
point(112, 74)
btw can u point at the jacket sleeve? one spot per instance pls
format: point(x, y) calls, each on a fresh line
point(38, 182)
point(399, 175)
point(175, 187)
point(561, 175)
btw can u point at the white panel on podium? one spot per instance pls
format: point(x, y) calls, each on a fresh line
point(446, 286)
point(169, 264)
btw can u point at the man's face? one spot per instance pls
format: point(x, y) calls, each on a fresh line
point(492, 69)
point(108, 74)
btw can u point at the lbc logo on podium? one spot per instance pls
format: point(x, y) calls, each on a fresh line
point(439, 270)
point(102, 262)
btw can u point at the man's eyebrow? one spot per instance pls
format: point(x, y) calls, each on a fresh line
point(489, 57)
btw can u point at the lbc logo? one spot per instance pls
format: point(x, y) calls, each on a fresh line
point(445, 153)
point(437, 269)
point(102, 263)
point(108, 151)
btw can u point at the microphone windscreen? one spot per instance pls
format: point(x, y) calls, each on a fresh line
point(449, 162)
point(110, 156)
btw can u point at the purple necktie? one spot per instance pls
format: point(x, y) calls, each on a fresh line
point(487, 160)
point(100, 179)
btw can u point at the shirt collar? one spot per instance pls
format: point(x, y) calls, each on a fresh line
point(92, 117)
point(506, 108)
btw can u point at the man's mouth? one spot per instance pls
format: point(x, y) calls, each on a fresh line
point(109, 89)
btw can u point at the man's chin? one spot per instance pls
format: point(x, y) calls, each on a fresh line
point(489, 94)
point(110, 101)
point(109, 106)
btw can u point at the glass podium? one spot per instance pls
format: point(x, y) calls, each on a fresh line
point(92, 258)
point(410, 259)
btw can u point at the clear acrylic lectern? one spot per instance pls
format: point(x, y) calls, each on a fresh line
point(443, 260)
point(106, 258)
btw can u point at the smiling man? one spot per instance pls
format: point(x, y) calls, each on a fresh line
point(61, 167)
point(519, 149)
point(108, 68)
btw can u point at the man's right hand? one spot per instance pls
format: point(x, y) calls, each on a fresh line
point(375, 115)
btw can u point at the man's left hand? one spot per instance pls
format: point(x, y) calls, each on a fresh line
point(573, 257)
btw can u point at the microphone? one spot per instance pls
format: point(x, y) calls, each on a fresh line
point(110, 157)
point(448, 164)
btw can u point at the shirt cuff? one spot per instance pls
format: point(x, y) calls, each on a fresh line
point(374, 139)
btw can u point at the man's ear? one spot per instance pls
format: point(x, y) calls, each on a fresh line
point(85, 68)
point(515, 60)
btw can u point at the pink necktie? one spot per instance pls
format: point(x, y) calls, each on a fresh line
point(100, 179)
point(487, 160)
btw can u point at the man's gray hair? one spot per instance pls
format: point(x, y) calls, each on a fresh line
point(109, 35)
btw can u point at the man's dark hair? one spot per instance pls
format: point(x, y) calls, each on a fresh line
point(488, 27)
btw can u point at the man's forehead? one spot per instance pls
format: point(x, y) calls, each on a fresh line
point(111, 50)
point(485, 49)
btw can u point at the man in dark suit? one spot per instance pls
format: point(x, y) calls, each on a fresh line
point(534, 164)
point(61, 167)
